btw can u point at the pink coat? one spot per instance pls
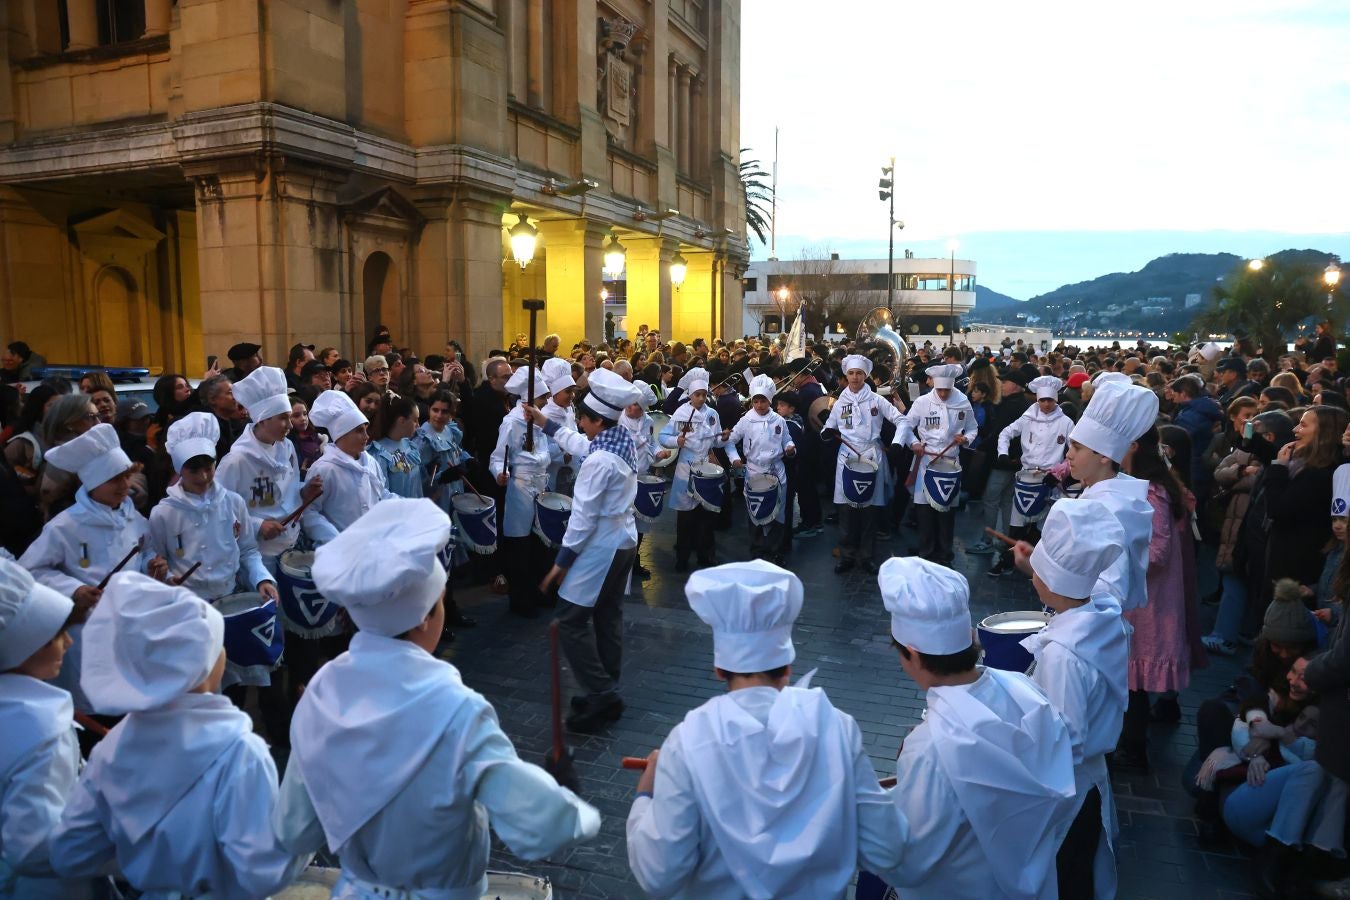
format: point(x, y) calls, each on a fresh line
point(1160, 650)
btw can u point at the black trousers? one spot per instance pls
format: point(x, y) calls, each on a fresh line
point(694, 534)
point(1134, 732)
point(274, 705)
point(1073, 863)
point(804, 487)
point(859, 527)
point(592, 636)
point(936, 529)
point(524, 562)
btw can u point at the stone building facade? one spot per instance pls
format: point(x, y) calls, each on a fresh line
point(180, 175)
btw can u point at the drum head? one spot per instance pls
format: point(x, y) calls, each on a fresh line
point(761, 483)
point(233, 604)
point(671, 456)
point(297, 562)
point(470, 504)
point(558, 502)
point(1022, 623)
point(515, 886)
point(649, 479)
point(707, 470)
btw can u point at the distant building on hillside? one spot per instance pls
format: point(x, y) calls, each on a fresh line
point(1192, 301)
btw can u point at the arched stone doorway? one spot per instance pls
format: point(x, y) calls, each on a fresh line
point(119, 328)
point(380, 297)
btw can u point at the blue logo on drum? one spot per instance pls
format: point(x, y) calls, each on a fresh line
point(313, 606)
point(266, 632)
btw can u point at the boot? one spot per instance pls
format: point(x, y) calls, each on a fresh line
point(1270, 869)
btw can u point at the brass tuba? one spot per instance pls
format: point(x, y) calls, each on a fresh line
point(879, 328)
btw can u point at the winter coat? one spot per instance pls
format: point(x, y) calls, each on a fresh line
point(1300, 526)
point(1237, 489)
point(1329, 675)
point(1199, 416)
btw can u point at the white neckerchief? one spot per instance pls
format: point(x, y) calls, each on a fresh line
point(176, 496)
point(274, 456)
point(34, 712)
point(96, 513)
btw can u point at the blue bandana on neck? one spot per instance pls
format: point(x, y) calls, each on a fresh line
point(618, 441)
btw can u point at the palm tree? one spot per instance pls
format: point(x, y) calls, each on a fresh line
point(1268, 302)
point(757, 193)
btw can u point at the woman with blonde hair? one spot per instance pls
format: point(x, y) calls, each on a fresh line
point(1289, 381)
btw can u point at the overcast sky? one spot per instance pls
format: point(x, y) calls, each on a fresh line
point(1188, 125)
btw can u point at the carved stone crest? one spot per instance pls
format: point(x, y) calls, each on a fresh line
point(620, 46)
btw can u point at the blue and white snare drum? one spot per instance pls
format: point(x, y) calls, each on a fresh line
point(706, 481)
point(253, 640)
point(859, 481)
point(870, 887)
point(551, 512)
point(476, 521)
point(1001, 637)
point(761, 498)
point(650, 499)
point(942, 483)
point(304, 611)
point(1030, 493)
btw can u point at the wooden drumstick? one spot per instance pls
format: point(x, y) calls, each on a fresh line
point(850, 446)
point(1000, 536)
point(117, 568)
point(189, 573)
point(636, 763)
point(293, 517)
point(887, 782)
point(88, 724)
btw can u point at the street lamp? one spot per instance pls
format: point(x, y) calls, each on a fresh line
point(523, 239)
point(1256, 265)
point(1332, 276)
point(886, 191)
point(615, 254)
point(782, 307)
point(952, 246)
point(679, 267)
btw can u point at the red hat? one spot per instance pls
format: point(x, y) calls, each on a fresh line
point(1078, 379)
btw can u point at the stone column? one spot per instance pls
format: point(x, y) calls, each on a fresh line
point(650, 292)
point(158, 17)
point(693, 305)
point(534, 23)
point(573, 257)
point(698, 129)
point(686, 95)
point(82, 18)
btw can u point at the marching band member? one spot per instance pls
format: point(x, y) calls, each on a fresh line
point(1082, 660)
point(597, 551)
point(85, 541)
point(764, 440)
point(800, 466)
point(353, 481)
point(40, 756)
point(524, 474)
point(938, 424)
point(392, 447)
point(985, 781)
point(694, 430)
point(560, 386)
point(765, 791)
point(440, 445)
point(1044, 433)
point(642, 430)
point(262, 466)
point(397, 766)
point(180, 792)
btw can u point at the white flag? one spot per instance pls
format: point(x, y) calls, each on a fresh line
point(796, 340)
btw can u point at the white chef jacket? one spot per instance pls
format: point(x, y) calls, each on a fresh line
point(702, 431)
point(399, 768)
point(1082, 660)
point(935, 423)
point(565, 417)
point(857, 418)
point(79, 547)
point(1126, 579)
point(1045, 439)
point(180, 796)
point(764, 439)
point(528, 471)
point(39, 762)
point(267, 476)
point(986, 784)
point(213, 529)
point(763, 793)
point(350, 488)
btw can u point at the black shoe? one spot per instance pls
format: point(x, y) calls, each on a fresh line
point(594, 716)
point(1270, 869)
point(844, 565)
point(1166, 711)
point(999, 569)
point(459, 620)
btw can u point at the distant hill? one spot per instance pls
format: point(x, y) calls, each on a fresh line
point(988, 302)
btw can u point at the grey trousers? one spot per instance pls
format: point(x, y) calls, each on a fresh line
point(592, 636)
point(997, 499)
point(859, 527)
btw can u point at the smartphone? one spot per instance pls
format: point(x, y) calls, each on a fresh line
point(1249, 430)
point(211, 361)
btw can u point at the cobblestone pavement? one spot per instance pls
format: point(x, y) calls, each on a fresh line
point(843, 633)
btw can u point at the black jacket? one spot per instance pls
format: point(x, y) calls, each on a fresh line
point(1329, 675)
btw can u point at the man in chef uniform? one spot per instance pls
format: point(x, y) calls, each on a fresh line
point(938, 424)
point(597, 551)
point(765, 441)
point(1082, 660)
point(765, 791)
point(855, 419)
point(525, 475)
point(986, 781)
point(180, 793)
point(694, 431)
point(395, 765)
point(560, 385)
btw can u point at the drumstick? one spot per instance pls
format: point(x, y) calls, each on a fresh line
point(117, 568)
point(88, 724)
point(188, 574)
point(850, 446)
point(918, 458)
point(1000, 536)
point(289, 520)
point(636, 763)
point(887, 782)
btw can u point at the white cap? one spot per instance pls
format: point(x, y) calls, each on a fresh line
point(608, 394)
point(857, 361)
point(648, 398)
point(519, 383)
point(95, 456)
point(31, 614)
point(1046, 387)
point(1079, 540)
point(558, 374)
point(697, 384)
point(751, 607)
point(193, 435)
point(762, 386)
point(263, 393)
point(1118, 414)
point(695, 374)
point(334, 412)
point(929, 605)
point(1109, 377)
point(944, 376)
point(1208, 351)
point(383, 569)
point(146, 643)
point(1340, 490)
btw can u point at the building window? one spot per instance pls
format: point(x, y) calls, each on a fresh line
point(748, 285)
point(120, 21)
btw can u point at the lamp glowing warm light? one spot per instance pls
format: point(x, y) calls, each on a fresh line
point(679, 267)
point(1256, 265)
point(1332, 275)
point(615, 254)
point(604, 294)
point(953, 245)
point(524, 236)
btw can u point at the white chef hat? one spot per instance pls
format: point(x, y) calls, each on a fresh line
point(1079, 540)
point(1340, 490)
point(608, 394)
point(96, 456)
point(695, 374)
point(648, 398)
point(1208, 351)
point(558, 374)
point(335, 412)
point(1116, 416)
point(1046, 387)
point(1109, 377)
point(751, 607)
point(762, 386)
point(857, 361)
point(943, 376)
point(147, 642)
point(263, 393)
point(193, 435)
point(31, 614)
point(699, 383)
point(929, 605)
point(519, 383)
point(390, 591)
